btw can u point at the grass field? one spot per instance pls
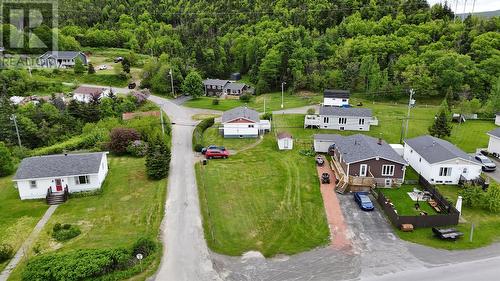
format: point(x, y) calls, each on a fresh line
point(130, 206)
point(486, 226)
point(272, 100)
point(467, 136)
point(70, 77)
point(403, 203)
point(262, 199)
point(17, 218)
point(213, 137)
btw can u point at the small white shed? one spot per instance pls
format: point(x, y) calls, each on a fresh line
point(497, 119)
point(285, 141)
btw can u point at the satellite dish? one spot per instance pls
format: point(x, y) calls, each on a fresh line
point(139, 256)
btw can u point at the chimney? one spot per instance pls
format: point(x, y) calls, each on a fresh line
point(380, 141)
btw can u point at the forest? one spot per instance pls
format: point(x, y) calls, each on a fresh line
point(379, 48)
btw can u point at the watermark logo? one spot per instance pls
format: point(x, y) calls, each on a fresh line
point(27, 27)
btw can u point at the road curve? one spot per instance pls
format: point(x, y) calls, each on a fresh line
point(185, 254)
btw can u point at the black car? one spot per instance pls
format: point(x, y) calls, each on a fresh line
point(325, 178)
point(132, 85)
point(488, 165)
point(320, 161)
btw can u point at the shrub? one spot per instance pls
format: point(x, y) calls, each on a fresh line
point(144, 246)
point(311, 111)
point(245, 98)
point(6, 252)
point(6, 161)
point(120, 138)
point(475, 197)
point(76, 265)
point(215, 102)
point(198, 132)
point(198, 147)
point(267, 116)
point(65, 232)
point(141, 96)
point(137, 148)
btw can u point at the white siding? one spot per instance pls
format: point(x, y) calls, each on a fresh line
point(236, 130)
point(285, 144)
point(322, 145)
point(335, 102)
point(351, 124)
point(497, 120)
point(431, 171)
point(494, 145)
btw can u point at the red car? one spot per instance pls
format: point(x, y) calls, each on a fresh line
point(216, 153)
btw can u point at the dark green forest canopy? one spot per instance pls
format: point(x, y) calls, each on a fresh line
point(378, 47)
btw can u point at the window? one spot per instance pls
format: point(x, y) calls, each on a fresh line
point(419, 159)
point(445, 171)
point(464, 170)
point(363, 168)
point(344, 100)
point(326, 120)
point(32, 184)
point(342, 120)
point(387, 170)
point(82, 180)
point(361, 121)
point(250, 126)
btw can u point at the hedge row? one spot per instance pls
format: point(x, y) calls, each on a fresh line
point(198, 133)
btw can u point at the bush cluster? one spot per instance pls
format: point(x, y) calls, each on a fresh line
point(89, 264)
point(65, 232)
point(137, 148)
point(215, 102)
point(6, 252)
point(245, 98)
point(475, 197)
point(267, 116)
point(121, 138)
point(198, 133)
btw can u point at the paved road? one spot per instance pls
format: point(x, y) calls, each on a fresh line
point(116, 90)
point(297, 110)
point(186, 256)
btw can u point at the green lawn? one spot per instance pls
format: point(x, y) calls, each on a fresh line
point(486, 226)
point(467, 136)
point(262, 199)
point(411, 174)
point(403, 203)
point(213, 137)
point(129, 207)
point(17, 218)
point(69, 76)
point(272, 100)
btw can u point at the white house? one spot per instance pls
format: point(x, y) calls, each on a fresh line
point(497, 119)
point(62, 59)
point(439, 161)
point(340, 118)
point(243, 122)
point(336, 98)
point(494, 143)
point(38, 175)
point(85, 93)
point(285, 141)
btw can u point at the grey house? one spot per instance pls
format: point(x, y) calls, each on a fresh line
point(214, 87)
point(340, 118)
point(61, 59)
point(362, 161)
point(237, 89)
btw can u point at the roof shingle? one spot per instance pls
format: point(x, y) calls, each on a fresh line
point(435, 150)
point(240, 112)
point(345, 111)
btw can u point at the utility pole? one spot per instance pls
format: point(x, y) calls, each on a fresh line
point(13, 118)
point(172, 82)
point(410, 104)
point(282, 90)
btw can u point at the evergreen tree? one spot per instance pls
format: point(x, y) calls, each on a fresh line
point(126, 65)
point(441, 127)
point(6, 111)
point(91, 69)
point(158, 159)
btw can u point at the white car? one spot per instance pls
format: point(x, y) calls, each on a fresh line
point(103, 67)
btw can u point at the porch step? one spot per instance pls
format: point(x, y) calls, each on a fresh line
point(341, 187)
point(56, 199)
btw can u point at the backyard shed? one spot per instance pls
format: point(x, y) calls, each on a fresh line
point(285, 141)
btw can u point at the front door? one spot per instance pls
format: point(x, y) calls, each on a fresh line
point(59, 185)
point(362, 170)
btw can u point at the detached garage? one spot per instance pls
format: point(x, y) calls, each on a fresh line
point(322, 142)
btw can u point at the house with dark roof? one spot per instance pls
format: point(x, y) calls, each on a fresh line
point(341, 118)
point(243, 122)
point(362, 162)
point(214, 87)
point(336, 98)
point(39, 176)
point(62, 59)
point(494, 143)
point(439, 161)
point(237, 89)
